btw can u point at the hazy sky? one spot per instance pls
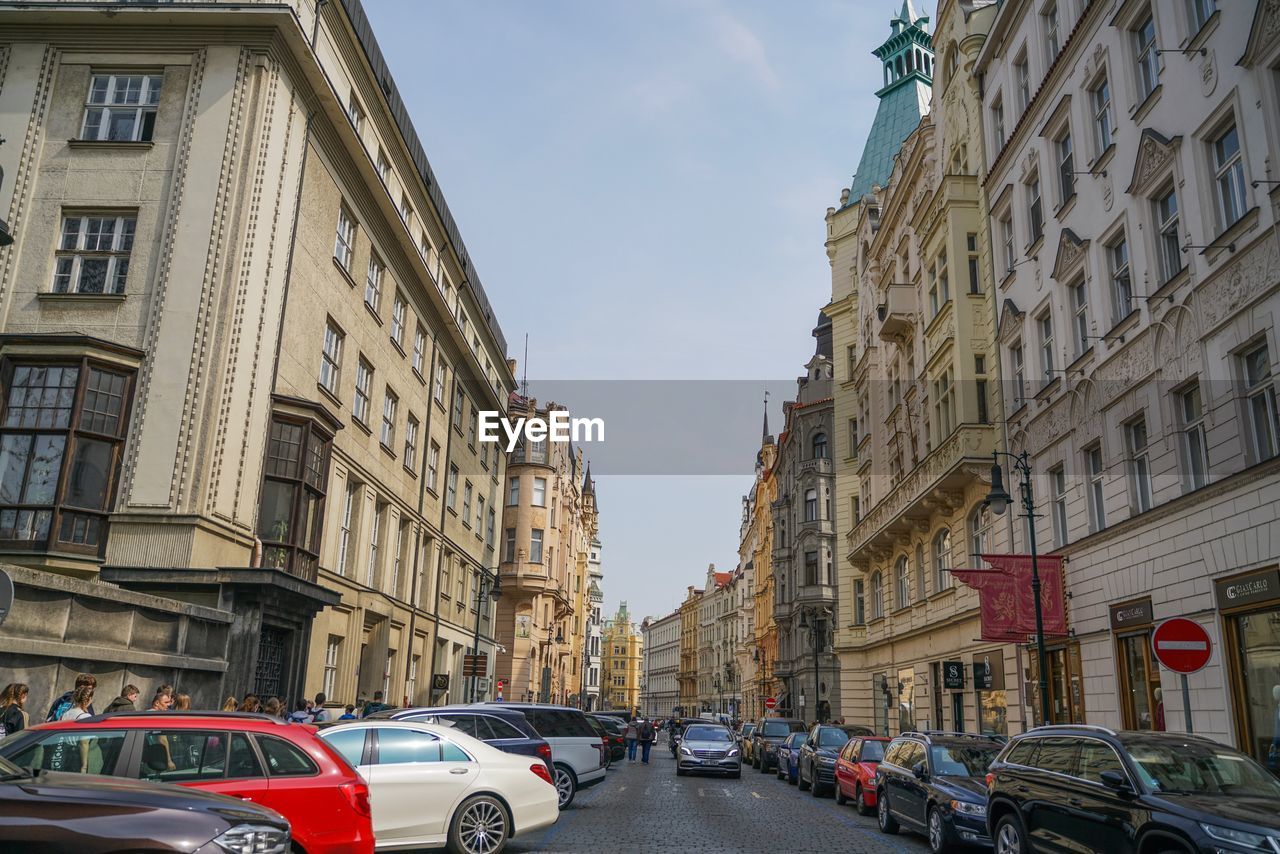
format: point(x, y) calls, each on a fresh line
point(641, 186)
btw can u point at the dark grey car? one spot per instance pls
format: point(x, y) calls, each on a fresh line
point(769, 733)
point(709, 748)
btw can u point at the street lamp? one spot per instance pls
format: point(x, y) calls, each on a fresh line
point(817, 637)
point(715, 680)
point(998, 499)
point(488, 586)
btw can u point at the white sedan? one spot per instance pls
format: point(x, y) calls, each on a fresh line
point(432, 786)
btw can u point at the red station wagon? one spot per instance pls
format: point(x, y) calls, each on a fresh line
point(856, 772)
point(254, 757)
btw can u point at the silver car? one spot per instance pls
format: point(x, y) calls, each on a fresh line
point(709, 748)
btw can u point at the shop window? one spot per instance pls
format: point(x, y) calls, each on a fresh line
point(1254, 656)
point(1141, 697)
point(1066, 685)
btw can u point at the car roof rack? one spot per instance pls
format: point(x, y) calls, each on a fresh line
point(153, 713)
point(1066, 727)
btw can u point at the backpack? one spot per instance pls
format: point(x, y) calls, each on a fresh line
point(59, 708)
point(646, 731)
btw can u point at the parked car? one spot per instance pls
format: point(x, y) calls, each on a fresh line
point(616, 729)
point(856, 772)
point(253, 757)
point(1078, 788)
point(434, 785)
point(579, 756)
point(744, 740)
point(709, 747)
point(52, 811)
point(606, 738)
point(816, 762)
point(673, 737)
point(768, 734)
point(935, 784)
point(506, 729)
point(787, 756)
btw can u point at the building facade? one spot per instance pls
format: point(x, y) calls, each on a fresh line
point(622, 654)
point(1133, 207)
point(591, 662)
point(660, 671)
point(755, 556)
point(687, 675)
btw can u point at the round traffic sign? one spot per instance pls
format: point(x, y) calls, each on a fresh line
point(1181, 645)
point(770, 702)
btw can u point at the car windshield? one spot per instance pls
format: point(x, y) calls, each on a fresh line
point(747, 729)
point(776, 729)
point(1192, 767)
point(968, 760)
point(707, 733)
point(872, 751)
point(832, 737)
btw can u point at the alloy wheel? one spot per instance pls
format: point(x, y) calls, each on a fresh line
point(482, 828)
point(935, 830)
point(1008, 839)
point(564, 786)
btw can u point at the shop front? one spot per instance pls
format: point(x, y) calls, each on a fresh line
point(1141, 697)
point(1250, 608)
point(1066, 683)
point(991, 703)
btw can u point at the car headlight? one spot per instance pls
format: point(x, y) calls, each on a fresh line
point(966, 808)
point(686, 751)
point(1242, 838)
point(733, 751)
point(254, 839)
point(826, 760)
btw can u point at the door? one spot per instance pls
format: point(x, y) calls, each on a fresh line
point(957, 711)
point(1101, 817)
point(1049, 786)
point(911, 803)
point(220, 762)
point(1141, 697)
point(412, 787)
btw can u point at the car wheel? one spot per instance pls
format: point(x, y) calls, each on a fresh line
point(480, 826)
point(779, 773)
point(764, 767)
point(937, 832)
point(841, 800)
point(736, 775)
point(886, 821)
point(1009, 838)
point(860, 801)
point(816, 788)
point(680, 772)
point(566, 785)
point(800, 781)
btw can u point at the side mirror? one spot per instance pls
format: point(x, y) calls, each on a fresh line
point(1116, 781)
point(920, 770)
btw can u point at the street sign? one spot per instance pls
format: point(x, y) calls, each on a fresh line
point(1181, 645)
point(953, 674)
point(770, 702)
point(440, 682)
point(475, 665)
point(482, 685)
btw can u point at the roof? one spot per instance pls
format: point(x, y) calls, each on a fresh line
point(722, 578)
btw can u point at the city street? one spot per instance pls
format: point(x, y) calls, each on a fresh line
point(648, 809)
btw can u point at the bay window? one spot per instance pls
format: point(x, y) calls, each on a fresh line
point(291, 510)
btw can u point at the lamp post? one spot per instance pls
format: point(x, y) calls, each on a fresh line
point(998, 499)
point(729, 680)
point(486, 586)
point(715, 680)
point(817, 637)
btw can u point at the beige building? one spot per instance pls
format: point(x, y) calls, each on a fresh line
point(260, 342)
point(622, 654)
point(687, 675)
point(1133, 209)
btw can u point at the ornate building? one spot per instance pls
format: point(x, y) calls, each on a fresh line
point(622, 655)
point(660, 692)
point(687, 675)
point(591, 662)
point(755, 556)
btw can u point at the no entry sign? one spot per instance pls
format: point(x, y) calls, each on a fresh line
point(1181, 645)
point(770, 703)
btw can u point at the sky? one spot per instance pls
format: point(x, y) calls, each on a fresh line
point(642, 189)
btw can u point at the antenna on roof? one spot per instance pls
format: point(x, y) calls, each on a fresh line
point(524, 378)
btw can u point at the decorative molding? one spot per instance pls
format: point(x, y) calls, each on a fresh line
point(1010, 325)
point(1264, 35)
point(1208, 74)
point(1155, 157)
point(1247, 278)
point(1071, 254)
point(28, 158)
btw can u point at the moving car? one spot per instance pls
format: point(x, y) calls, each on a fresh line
point(53, 811)
point(744, 740)
point(935, 783)
point(788, 756)
point(579, 755)
point(709, 747)
point(856, 772)
point(768, 734)
point(818, 752)
point(253, 757)
point(433, 786)
point(1078, 788)
point(616, 729)
point(506, 729)
point(673, 737)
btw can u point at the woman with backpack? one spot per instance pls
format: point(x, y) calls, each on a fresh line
point(646, 733)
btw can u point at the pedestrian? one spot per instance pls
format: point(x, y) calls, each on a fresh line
point(125, 702)
point(647, 734)
point(349, 714)
point(300, 715)
point(60, 705)
point(230, 704)
point(272, 707)
point(182, 703)
point(319, 713)
point(376, 706)
point(13, 708)
point(630, 734)
point(250, 703)
point(162, 700)
point(81, 702)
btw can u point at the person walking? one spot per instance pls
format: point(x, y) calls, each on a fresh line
point(162, 700)
point(376, 706)
point(349, 714)
point(63, 703)
point(81, 702)
point(300, 714)
point(182, 703)
point(646, 733)
point(319, 714)
point(631, 733)
point(272, 707)
point(13, 711)
point(250, 703)
point(125, 702)
point(230, 704)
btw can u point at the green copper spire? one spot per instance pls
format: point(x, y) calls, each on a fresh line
point(907, 64)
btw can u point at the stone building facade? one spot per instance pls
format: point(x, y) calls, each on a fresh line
point(659, 674)
point(622, 654)
point(591, 661)
point(755, 556)
point(687, 675)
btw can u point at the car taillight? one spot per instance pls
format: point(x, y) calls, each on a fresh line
point(541, 770)
point(357, 795)
point(544, 750)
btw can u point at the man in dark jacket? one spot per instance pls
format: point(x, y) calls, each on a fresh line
point(125, 702)
point(376, 706)
point(60, 705)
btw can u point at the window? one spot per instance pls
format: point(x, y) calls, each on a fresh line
point(121, 107)
point(853, 438)
point(901, 582)
point(944, 404)
point(535, 545)
point(975, 282)
point(539, 492)
point(1066, 166)
point(1195, 459)
point(74, 413)
point(397, 558)
point(373, 283)
point(291, 512)
point(811, 505)
point(877, 596)
point(1201, 11)
point(433, 466)
point(1045, 324)
point(1052, 33)
point(509, 547)
point(389, 405)
point(1058, 487)
point(1080, 314)
point(811, 568)
point(438, 391)
point(406, 746)
point(410, 442)
point(1168, 251)
point(1097, 506)
point(331, 358)
point(942, 560)
point(1260, 396)
point(467, 492)
point(459, 406)
point(364, 384)
point(93, 254)
point(406, 209)
point(348, 525)
point(1121, 280)
point(1100, 104)
point(1139, 464)
point(451, 487)
point(375, 545)
point(980, 530)
point(383, 166)
point(980, 387)
point(355, 112)
point(1022, 81)
point(473, 427)
point(419, 349)
point(513, 491)
point(329, 682)
point(997, 124)
point(1018, 361)
point(819, 446)
point(397, 320)
point(1035, 208)
point(1148, 61)
point(1006, 236)
point(1228, 177)
point(345, 245)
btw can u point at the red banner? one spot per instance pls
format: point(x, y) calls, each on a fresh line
point(1007, 606)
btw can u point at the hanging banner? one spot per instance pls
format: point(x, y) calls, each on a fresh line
point(1007, 606)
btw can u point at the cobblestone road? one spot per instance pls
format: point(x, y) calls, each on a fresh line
point(648, 809)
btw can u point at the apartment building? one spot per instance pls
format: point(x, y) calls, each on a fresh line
point(660, 645)
point(623, 644)
point(591, 662)
point(687, 675)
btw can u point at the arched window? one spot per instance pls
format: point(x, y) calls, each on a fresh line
point(980, 529)
point(942, 560)
point(819, 446)
point(901, 583)
point(811, 505)
point(877, 596)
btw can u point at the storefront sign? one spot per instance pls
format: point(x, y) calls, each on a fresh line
point(988, 671)
point(953, 674)
point(440, 682)
point(1131, 614)
point(1248, 589)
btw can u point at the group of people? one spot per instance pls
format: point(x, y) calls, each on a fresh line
point(639, 731)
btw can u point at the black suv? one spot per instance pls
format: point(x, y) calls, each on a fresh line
point(1077, 788)
point(935, 783)
point(768, 734)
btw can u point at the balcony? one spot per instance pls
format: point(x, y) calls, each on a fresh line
point(815, 466)
point(897, 311)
